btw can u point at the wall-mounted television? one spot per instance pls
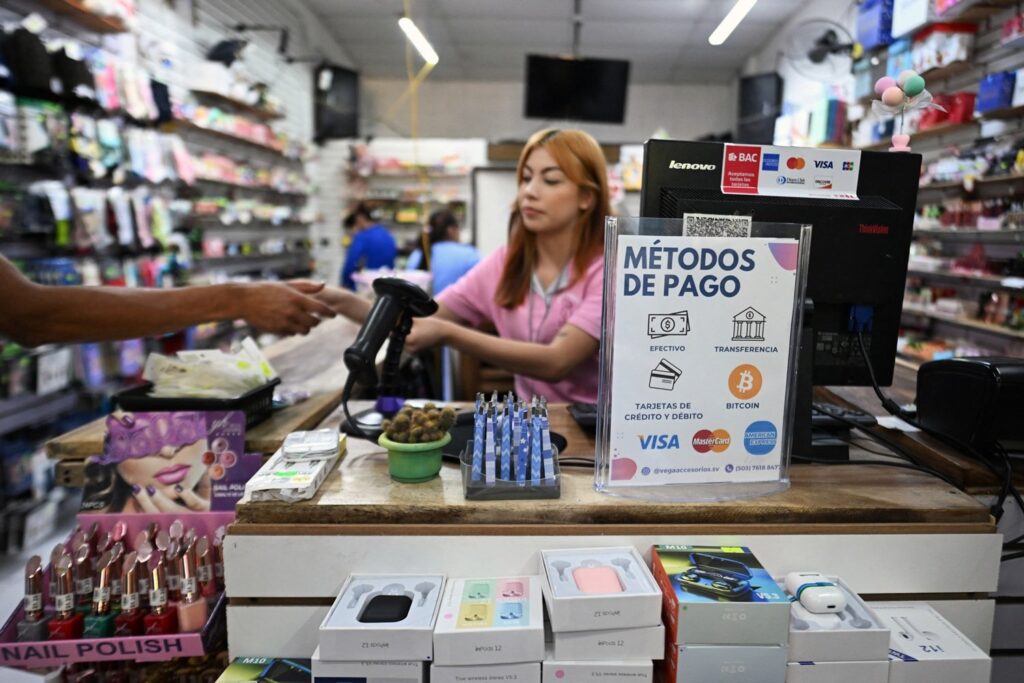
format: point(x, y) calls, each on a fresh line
point(335, 103)
point(577, 89)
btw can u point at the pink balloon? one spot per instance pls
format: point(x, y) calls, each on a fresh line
point(892, 97)
point(883, 84)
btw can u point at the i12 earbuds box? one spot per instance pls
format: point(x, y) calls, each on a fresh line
point(851, 633)
point(589, 589)
point(523, 672)
point(326, 671)
point(490, 621)
point(382, 617)
point(646, 642)
point(719, 595)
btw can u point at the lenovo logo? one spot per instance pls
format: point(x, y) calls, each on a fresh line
point(680, 166)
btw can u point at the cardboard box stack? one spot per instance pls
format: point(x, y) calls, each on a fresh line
point(725, 616)
point(604, 609)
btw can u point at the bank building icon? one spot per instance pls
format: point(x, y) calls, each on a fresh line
point(748, 325)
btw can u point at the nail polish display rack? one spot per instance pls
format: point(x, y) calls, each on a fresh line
point(145, 648)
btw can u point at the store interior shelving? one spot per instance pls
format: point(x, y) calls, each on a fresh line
point(78, 12)
point(241, 106)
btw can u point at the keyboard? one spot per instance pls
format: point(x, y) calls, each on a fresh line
point(824, 417)
point(585, 415)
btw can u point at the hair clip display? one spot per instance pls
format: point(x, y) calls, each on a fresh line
point(511, 455)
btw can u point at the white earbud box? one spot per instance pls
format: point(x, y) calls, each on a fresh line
point(732, 663)
point(590, 589)
point(326, 671)
point(925, 648)
point(561, 671)
point(490, 621)
point(486, 673)
point(853, 635)
point(382, 617)
point(837, 672)
point(647, 642)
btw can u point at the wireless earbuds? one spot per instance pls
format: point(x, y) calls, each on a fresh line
point(815, 592)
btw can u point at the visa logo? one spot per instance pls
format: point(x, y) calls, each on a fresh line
point(659, 442)
point(818, 163)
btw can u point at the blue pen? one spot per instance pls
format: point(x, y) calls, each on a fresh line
point(549, 456)
point(489, 446)
point(506, 444)
point(477, 468)
point(535, 446)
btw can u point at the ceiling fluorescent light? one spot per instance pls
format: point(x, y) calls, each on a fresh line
point(418, 40)
point(731, 21)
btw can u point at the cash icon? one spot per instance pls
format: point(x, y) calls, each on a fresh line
point(668, 324)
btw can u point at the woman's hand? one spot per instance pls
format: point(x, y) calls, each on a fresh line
point(427, 333)
point(344, 303)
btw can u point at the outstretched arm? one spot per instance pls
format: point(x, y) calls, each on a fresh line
point(35, 314)
point(548, 362)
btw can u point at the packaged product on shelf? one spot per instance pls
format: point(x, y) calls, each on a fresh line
point(326, 671)
point(837, 672)
point(735, 663)
point(560, 671)
point(925, 648)
point(486, 673)
point(940, 45)
point(647, 642)
point(996, 91)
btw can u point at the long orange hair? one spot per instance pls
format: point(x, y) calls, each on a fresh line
point(580, 158)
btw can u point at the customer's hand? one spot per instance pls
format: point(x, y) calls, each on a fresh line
point(284, 308)
point(427, 333)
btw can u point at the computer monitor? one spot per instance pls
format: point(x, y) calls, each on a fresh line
point(578, 89)
point(858, 257)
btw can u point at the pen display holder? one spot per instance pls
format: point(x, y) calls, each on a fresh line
point(505, 489)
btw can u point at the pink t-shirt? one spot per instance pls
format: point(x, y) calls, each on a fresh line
point(472, 299)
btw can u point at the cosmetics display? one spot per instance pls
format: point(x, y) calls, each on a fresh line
point(925, 648)
point(382, 617)
point(592, 589)
point(490, 621)
point(511, 455)
point(142, 587)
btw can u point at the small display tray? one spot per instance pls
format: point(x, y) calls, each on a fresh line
point(257, 404)
point(507, 490)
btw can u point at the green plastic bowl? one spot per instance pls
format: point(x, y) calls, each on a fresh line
point(413, 463)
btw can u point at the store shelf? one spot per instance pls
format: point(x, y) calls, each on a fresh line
point(261, 228)
point(239, 105)
point(974, 11)
point(961, 321)
point(30, 410)
point(958, 185)
point(935, 132)
point(982, 236)
point(979, 280)
point(412, 174)
point(1005, 113)
point(941, 73)
point(75, 10)
point(254, 188)
point(249, 264)
point(183, 125)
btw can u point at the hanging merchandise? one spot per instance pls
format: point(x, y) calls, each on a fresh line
point(73, 75)
point(90, 219)
point(105, 78)
point(58, 203)
point(11, 147)
point(121, 207)
point(29, 63)
point(44, 128)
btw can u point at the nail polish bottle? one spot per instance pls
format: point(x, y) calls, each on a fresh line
point(100, 623)
point(163, 618)
point(67, 624)
point(192, 608)
point(129, 621)
point(33, 626)
point(83, 579)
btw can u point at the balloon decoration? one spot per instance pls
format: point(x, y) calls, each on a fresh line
point(899, 95)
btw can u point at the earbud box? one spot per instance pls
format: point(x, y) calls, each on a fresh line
point(647, 642)
point(382, 617)
point(589, 589)
point(525, 672)
point(326, 671)
point(732, 663)
point(837, 672)
point(719, 595)
point(852, 635)
point(925, 648)
point(490, 621)
point(560, 671)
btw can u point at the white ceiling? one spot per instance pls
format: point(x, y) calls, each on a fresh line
point(487, 40)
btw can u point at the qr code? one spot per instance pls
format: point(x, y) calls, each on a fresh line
point(710, 225)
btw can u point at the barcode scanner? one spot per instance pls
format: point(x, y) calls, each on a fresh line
point(398, 302)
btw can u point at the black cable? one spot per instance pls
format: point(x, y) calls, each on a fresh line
point(1012, 556)
point(883, 463)
point(894, 409)
point(345, 393)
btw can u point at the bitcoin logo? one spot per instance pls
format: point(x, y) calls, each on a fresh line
point(745, 381)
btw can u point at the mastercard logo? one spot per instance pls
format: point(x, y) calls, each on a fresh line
point(795, 163)
point(714, 441)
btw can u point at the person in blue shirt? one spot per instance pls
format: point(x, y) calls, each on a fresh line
point(447, 260)
point(372, 245)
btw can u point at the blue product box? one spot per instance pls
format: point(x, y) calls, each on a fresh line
point(996, 91)
point(901, 58)
point(874, 23)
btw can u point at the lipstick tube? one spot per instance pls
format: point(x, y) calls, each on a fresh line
point(116, 571)
point(55, 554)
point(144, 552)
point(100, 623)
point(204, 568)
point(192, 608)
point(67, 624)
point(171, 571)
point(163, 617)
point(83, 578)
point(218, 558)
point(129, 621)
point(33, 626)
